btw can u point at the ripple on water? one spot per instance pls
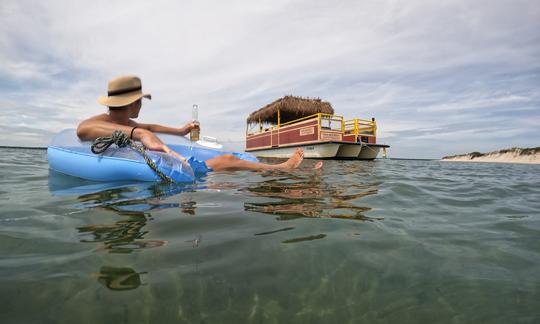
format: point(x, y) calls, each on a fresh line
point(380, 241)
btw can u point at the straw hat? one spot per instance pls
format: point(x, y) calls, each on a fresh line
point(122, 91)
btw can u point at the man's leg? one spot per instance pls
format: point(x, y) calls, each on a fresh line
point(230, 162)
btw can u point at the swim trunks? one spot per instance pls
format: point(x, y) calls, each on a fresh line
point(199, 167)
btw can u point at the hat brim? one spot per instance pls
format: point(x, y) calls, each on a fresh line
point(122, 100)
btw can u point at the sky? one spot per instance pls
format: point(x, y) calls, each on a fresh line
point(440, 77)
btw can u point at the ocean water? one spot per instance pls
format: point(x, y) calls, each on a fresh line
point(386, 241)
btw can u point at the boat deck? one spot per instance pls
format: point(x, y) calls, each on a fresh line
point(338, 150)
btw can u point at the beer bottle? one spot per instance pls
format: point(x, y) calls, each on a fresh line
point(195, 132)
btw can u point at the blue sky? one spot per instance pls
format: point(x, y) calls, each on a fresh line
point(440, 77)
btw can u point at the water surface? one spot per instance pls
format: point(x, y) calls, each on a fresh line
point(387, 241)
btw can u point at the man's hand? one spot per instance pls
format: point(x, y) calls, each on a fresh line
point(192, 124)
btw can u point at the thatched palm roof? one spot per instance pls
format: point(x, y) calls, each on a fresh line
point(290, 108)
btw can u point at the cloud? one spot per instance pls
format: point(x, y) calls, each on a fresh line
point(423, 69)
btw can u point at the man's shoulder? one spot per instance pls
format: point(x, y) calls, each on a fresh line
point(101, 117)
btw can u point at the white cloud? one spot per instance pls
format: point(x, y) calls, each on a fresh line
point(420, 68)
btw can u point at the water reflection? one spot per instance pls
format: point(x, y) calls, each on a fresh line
point(196, 241)
point(123, 236)
point(275, 231)
point(131, 201)
point(119, 195)
point(305, 238)
point(119, 278)
point(310, 197)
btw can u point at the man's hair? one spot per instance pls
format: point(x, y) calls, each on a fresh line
point(117, 108)
point(123, 107)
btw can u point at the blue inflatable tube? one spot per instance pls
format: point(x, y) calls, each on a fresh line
point(67, 154)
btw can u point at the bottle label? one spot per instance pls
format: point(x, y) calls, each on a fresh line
point(194, 134)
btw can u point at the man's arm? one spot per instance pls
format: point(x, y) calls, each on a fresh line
point(169, 130)
point(93, 128)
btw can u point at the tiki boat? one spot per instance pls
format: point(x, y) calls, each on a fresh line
point(278, 128)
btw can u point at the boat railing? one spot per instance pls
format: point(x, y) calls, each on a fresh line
point(298, 120)
point(325, 121)
point(359, 126)
point(332, 122)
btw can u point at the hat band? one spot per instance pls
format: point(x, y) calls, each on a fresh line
point(122, 91)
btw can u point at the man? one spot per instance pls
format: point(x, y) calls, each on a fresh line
point(124, 100)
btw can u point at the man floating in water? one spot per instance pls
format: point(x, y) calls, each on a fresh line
point(124, 100)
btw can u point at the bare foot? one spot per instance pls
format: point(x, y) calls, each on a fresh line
point(293, 162)
point(318, 165)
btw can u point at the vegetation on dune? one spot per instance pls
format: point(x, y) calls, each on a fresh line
point(517, 150)
point(522, 151)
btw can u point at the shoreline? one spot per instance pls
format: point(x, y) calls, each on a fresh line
point(514, 155)
point(24, 147)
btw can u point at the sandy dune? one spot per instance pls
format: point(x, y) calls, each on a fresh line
point(515, 155)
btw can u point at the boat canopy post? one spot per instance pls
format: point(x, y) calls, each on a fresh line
point(278, 118)
point(356, 129)
point(319, 120)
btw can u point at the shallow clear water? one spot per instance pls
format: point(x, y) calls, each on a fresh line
point(387, 241)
